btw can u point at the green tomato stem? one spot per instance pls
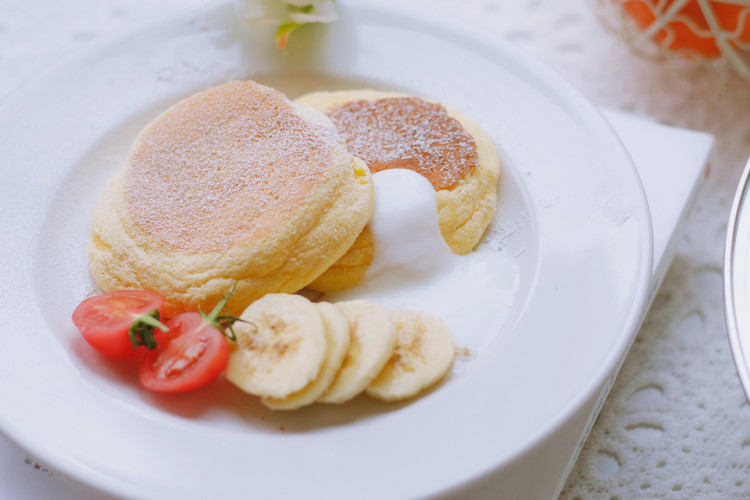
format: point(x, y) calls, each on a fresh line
point(153, 320)
point(221, 322)
point(212, 318)
point(141, 332)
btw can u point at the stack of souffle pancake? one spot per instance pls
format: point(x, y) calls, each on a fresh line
point(239, 188)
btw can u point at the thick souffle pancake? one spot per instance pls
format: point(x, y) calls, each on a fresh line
point(394, 130)
point(234, 186)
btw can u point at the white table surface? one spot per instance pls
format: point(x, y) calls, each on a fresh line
point(676, 423)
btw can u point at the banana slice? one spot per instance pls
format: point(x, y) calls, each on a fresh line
point(423, 354)
point(338, 339)
point(372, 340)
point(281, 346)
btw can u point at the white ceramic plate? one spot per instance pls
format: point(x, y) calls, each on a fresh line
point(737, 279)
point(573, 214)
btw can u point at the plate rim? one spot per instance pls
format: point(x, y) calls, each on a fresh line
point(639, 302)
point(733, 276)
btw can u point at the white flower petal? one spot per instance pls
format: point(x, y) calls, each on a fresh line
point(299, 17)
point(281, 12)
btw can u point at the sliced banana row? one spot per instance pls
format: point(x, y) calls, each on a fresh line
point(292, 352)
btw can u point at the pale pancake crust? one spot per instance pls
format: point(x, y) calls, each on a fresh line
point(464, 210)
point(259, 206)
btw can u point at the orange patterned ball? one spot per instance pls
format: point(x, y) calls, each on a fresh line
point(695, 28)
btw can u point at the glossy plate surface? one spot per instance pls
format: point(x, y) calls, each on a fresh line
point(572, 213)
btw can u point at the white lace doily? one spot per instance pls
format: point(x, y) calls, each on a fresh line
point(677, 423)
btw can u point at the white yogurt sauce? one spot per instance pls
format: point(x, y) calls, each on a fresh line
point(413, 267)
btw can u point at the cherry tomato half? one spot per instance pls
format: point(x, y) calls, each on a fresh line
point(190, 355)
point(105, 320)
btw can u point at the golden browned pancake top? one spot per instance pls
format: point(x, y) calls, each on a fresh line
point(224, 166)
point(407, 132)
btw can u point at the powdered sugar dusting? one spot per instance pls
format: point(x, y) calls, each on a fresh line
point(407, 132)
point(225, 165)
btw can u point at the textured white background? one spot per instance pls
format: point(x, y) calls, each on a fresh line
point(676, 424)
